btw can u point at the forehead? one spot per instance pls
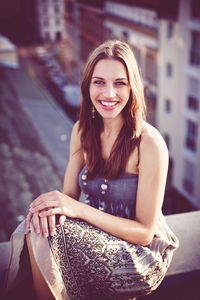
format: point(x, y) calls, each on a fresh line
point(110, 67)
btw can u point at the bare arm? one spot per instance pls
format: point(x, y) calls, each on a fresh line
point(75, 164)
point(70, 187)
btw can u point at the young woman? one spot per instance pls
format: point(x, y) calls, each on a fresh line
point(115, 244)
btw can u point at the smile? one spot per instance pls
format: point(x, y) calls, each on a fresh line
point(108, 103)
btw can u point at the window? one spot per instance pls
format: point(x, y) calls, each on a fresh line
point(195, 48)
point(167, 106)
point(56, 9)
point(47, 36)
point(151, 68)
point(168, 69)
point(193, 94)
point(191, 135)
point(58, 35)
point(193, 103)
point(170, 28)
point(195, 9)
point(125, 35)
point(189, 177)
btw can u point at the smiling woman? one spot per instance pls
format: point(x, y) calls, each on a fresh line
point(115, 244)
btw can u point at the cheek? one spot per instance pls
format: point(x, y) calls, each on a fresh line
point(125, 95)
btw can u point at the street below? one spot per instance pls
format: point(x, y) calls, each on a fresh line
point(34, 143)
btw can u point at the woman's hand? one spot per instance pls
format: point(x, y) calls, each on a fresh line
point(47, 223)
point(49, 205)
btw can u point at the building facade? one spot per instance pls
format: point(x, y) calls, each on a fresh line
point(178, 111)
point(71, 44)
point(91, 25)
point(50, 20)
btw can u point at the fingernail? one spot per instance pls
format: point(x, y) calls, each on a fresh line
point(37, 231)
point(46, 235)
point(52, 233)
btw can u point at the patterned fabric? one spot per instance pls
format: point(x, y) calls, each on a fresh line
point(97, 265)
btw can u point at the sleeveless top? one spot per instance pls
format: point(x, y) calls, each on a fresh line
point(116, 197)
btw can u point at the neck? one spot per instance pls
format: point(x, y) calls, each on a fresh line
point(112, 126)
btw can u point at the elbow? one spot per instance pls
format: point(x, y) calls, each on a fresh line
point(146, 241)
point(146, 238)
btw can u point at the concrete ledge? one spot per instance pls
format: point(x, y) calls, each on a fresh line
point(187, 257)
point(182, 281)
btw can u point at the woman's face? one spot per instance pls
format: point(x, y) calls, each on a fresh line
point(109, 88)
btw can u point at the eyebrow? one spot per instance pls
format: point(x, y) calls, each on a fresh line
point(101, 78)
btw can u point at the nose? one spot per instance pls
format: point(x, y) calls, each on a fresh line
point(109, 91)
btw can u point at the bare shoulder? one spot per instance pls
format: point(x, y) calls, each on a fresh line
point(76, 134)
point(75, 129)
point(75, 138)
point(152, 142)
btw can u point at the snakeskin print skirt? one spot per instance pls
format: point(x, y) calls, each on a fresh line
point(96, 265)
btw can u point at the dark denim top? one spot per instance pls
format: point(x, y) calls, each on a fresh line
point(116, 197)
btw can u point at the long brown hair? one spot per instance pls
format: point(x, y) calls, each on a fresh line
point(133, 113)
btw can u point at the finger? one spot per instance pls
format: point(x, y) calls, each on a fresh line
point(50, 212)
point(44, 225)
point(44, 197)
point(52, 224)
point(44, 205)
point(28, 219)
point(62, 219)
point(36, 223)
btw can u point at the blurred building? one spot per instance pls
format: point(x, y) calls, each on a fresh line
point(91, 25)
point(139, 27)
point(84, 32)
point(178, 109)
point(50, 20)
point(71, 47)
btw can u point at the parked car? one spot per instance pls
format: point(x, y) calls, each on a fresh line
point(72, 95)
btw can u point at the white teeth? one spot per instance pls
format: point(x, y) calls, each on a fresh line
point(108, 103)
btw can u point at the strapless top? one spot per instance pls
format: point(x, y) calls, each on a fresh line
point(116, 197)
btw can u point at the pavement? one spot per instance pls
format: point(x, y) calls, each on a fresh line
point(34, 145)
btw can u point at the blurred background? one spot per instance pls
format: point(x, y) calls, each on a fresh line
point(43, 47)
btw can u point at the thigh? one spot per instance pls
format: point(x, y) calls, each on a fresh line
point(41, 288)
